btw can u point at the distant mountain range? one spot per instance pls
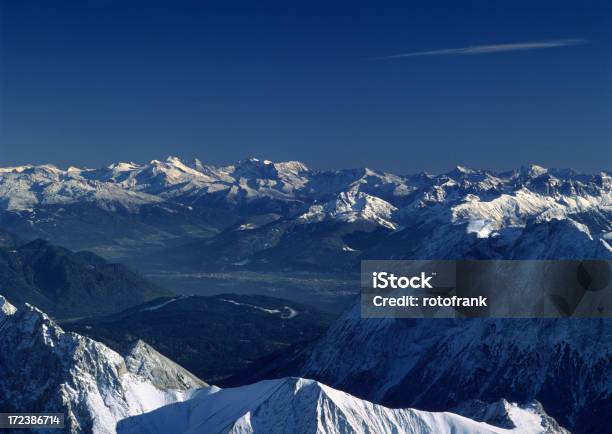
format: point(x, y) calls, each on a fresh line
point(276, 215)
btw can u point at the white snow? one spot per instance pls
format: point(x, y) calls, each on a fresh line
point(263, 309)
point(286, 313)
point(485, 202)
point(353, 206)
point(297, 405)
point(480, 227)
point(164, 303)
point(6, 309)
point(289, 313)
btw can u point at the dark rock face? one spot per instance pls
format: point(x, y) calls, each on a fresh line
point(68, 284)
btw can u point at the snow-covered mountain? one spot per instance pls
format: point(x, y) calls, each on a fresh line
point(297, 405)
point(463, 213)
point(45, 369)
point(27, 187)
point(131, 185)
point(351, 206)
point(507, 197)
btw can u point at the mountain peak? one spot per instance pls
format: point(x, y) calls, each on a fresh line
point(302, 405)
point(174, 160)
point(533, 170)
point(123, 166)
point(91, 384)
point(463, 169)
point(351, 206)
point(253, 160)
point(162, 372)
point(511, 416)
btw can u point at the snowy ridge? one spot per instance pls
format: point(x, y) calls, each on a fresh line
point(506, 414)
point(94, 386)
point(24, 188)
point(353, 206)
point(514, 210)
point(131, 183)
point(464, 205)
point(298, 405)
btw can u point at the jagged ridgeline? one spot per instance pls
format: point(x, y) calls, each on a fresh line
point(92, 385)
point(263, 215)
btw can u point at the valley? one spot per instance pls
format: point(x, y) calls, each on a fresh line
point(324, 291)
point(214, 337)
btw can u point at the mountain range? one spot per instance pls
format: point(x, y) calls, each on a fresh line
point(275, 215)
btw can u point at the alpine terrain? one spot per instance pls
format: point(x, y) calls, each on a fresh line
point(48, 370)
point(263, 215)
point(101, 391)
point(261, 218)
point(437, 364)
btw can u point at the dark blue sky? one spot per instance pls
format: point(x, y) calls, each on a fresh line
point(91, 82)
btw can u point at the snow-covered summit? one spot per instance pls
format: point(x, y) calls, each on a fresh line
point(503, 414)
point(55, 371)
point(6, 309)
point(352, 206)
point(35, 186)
point(297, 405)
point(461, 205)
point(132, 184)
